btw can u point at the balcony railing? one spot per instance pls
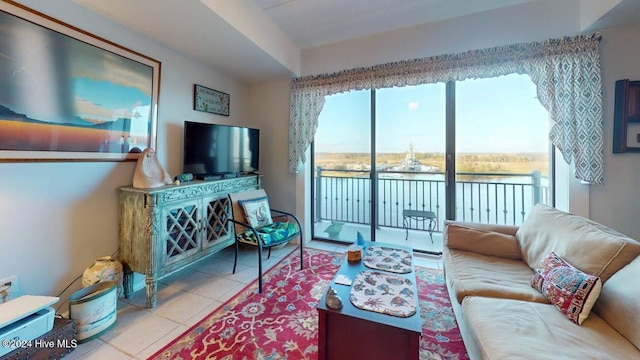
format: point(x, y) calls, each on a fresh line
point(490, 198)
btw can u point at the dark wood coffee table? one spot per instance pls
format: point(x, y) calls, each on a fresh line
point(353, 333)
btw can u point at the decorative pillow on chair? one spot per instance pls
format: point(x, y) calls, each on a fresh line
point(572, 291)
point(257, 212)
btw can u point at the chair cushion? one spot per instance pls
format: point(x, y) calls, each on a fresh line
point(257, 211)
point(569, 289)
point(271, 234)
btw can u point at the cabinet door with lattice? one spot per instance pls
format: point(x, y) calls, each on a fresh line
point(218, 231)
point(182, 225)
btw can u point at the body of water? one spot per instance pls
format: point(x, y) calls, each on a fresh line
point(488, 199)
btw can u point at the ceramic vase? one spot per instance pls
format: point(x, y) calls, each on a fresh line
point(104, 269)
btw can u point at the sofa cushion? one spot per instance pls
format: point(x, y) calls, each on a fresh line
point(514, 329)
point(619, 302)
point(503, 229)
point(587, 245)
point(572, 291)
point(485, 242)
point(469, 273)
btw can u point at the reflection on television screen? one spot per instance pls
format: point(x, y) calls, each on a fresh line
point(212, 149)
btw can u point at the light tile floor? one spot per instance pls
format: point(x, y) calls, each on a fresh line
point(186, 297)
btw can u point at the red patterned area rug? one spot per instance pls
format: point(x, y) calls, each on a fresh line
point(282, 321)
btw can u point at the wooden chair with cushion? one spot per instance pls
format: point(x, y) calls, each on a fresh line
point(258, 225)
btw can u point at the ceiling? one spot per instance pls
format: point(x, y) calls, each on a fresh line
point(227, 35)
point(312, 23)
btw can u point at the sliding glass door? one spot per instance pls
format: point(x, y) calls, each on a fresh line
point(409, 156)
point(342, 168)
point(474, 150)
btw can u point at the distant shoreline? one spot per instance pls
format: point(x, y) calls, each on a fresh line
point(512, 163)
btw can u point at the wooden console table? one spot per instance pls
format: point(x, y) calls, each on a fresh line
point(166, 228)
point(353, 333)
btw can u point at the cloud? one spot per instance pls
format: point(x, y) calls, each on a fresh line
point(100, 65)
point(89, 109)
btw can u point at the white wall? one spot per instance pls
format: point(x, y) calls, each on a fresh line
point(530, 22)
point(615, 204)
point(535, 21)
point(269, 109)
point(56, 218)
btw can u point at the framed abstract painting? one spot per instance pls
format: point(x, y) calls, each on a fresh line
point(68, 95)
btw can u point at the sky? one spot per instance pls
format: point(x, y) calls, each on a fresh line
point(108, 101)
point(493, 115)
point(52, 77)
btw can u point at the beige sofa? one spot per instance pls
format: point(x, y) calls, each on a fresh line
point(488, 271)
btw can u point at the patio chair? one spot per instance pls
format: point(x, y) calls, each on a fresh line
point(257, 224)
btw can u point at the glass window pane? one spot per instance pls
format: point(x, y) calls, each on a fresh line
point(410, 153)
point(502, 149)
point(342, 157)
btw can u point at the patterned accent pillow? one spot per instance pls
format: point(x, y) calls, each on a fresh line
point(572, 291)
point(257, 211)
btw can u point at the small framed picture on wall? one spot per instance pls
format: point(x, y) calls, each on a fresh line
point(209, 100)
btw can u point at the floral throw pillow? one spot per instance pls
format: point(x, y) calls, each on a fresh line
point(257, 212)
point(572, 291)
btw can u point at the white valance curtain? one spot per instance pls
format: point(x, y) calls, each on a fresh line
point(566, 72)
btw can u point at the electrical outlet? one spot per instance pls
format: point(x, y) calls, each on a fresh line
point(12, 291)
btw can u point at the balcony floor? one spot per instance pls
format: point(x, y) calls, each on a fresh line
point(418, 239)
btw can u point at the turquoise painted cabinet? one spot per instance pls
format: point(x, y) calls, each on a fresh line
point(164, 229)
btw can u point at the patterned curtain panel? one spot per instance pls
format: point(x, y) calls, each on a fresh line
point(566, 72)
point(570, 88)
point(305, 106)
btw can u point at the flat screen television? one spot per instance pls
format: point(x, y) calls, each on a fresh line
point(212, 150)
